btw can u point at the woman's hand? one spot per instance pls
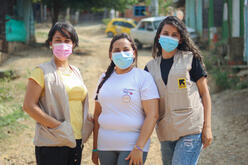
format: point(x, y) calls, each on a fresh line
point(94, 158)
point(207, 136)
point(90, 117)
point(56, 124)
point(135, 157)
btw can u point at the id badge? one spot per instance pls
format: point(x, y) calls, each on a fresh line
point(126, 98)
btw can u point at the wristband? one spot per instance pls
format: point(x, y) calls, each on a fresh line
point(94, 150)
point(137, 147)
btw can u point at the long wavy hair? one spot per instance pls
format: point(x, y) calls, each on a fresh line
point(111, 67)
point(185, 43)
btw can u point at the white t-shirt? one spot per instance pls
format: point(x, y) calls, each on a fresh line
point(122, 114)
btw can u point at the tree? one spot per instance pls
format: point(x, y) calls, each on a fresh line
point(57, 6)
point(164, 6)
point(119, 5)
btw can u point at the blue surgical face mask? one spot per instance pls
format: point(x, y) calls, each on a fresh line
point(168, 43)
point(123, 60)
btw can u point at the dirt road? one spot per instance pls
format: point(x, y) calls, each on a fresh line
point(230, 112)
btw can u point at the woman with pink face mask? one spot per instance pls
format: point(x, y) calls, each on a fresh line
point(56, 98)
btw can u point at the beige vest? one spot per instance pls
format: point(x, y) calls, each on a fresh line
point(55, 103)
point(181, 109)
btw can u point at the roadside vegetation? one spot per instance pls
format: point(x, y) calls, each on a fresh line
point(224, 76)
point(10, 104)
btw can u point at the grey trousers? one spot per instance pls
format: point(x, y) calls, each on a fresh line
point(116, 157)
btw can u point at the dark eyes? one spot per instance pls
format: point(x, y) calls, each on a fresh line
point(124, 50)
point(165, 33)
point(173, 34)
point(65, 41)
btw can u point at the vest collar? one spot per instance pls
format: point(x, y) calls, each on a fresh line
point(158, 61)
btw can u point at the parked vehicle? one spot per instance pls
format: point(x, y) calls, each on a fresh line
point(145, 31)
point(119, 25)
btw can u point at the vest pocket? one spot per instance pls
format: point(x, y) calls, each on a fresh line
point(60, 136)
point(179, 100)
point(179, 90)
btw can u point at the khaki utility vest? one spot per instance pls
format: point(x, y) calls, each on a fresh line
point(180, 109)
point(55, 103)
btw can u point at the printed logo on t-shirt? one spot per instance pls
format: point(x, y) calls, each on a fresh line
point(127, 93)
point(181, 83)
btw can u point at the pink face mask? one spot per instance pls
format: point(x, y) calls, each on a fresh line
point(62, 51)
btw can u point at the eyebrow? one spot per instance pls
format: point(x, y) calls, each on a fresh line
point(173, 33)
point(168, 31)
point(126, 47)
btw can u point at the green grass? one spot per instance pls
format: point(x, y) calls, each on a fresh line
point(9, 123)
point(5, 94)
point(21, 86)
point(13, 117)
point(5, 91)
point(41, 34)
point(10, 106)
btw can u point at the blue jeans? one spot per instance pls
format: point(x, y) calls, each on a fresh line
point(116, 157)
point(184, 151)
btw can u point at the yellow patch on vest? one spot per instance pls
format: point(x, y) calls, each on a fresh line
point(181, 83)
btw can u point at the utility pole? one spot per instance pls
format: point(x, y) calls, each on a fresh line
point(154, 7)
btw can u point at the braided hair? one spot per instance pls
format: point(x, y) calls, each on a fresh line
point(111, 67)
point(186, 44)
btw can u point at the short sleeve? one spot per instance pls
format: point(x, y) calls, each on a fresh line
point(149, 89)
point(197, 70)
point(38, 76)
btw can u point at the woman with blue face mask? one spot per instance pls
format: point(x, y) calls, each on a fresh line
point(126, 108)
point(184, 124)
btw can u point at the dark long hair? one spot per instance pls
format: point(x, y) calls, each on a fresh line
point(185, 44)
point(111, 67)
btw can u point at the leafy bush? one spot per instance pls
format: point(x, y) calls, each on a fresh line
point(106, 21)
point(5, 94)
point(224, 76)
point(224, 79)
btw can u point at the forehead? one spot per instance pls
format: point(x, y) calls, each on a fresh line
point(122, 43)
point(57, 34)
point(169, 28)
